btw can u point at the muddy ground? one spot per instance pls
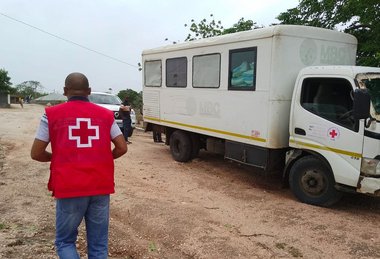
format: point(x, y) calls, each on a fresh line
point(208, 208)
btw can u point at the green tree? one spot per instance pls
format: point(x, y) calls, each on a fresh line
point(30, 88)
point(241, 25)
point(5, 82)
point(205, 28)
point(360, 18)
point(134, 98)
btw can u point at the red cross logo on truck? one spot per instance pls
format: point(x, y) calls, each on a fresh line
point(83, 132)
point(333, 133)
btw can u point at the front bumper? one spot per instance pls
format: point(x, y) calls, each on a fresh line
point(369, 186)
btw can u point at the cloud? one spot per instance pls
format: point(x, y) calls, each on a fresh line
point(118, 28)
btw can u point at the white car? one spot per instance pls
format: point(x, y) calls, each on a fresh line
point(112, 102)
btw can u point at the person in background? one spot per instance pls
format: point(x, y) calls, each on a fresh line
point(82, 166)
point(156, 135)
point(125, 113)
point(20, 101)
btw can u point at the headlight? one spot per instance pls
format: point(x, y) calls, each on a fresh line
point(370, 166)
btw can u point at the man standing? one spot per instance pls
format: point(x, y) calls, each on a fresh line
point(20, 101)
point(82, 166)
point(156, 134)
point(125, 112)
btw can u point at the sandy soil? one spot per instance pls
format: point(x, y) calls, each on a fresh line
point(208, 208)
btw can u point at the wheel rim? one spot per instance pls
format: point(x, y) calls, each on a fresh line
point(313, 183)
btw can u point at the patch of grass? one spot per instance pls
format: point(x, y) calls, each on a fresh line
point(2, 226)
point(295, 252)
point(18, 242)
point(228, 226)
point(152, 247)
point(292, 250)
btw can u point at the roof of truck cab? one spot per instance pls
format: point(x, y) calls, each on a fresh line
point(350, 71)
point(268, 32)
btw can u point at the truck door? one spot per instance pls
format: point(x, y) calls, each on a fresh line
point(322, 123)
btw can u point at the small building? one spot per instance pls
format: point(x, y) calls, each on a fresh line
point(53, 98)
point(5, 100)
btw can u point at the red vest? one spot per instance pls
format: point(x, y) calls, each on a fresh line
point(82, 162)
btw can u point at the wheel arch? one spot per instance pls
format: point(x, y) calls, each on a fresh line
point(295, 155)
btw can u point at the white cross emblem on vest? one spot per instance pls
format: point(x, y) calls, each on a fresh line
point(83, 132)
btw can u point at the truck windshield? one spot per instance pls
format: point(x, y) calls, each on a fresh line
point(104, 99)
point(372, 83)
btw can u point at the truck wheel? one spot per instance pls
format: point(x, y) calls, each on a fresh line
point(180, 146)
point(312, 182)
point(195, 145)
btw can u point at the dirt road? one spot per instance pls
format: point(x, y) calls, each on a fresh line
point(208, 208)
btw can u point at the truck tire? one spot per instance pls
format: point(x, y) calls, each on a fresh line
point(312, 182)
point(195, 145)
point(180, 146)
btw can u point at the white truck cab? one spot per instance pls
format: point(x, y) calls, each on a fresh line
point(330, 138)
point(284, 98)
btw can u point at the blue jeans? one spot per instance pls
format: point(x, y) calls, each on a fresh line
point(127, 127)
point(69, 214)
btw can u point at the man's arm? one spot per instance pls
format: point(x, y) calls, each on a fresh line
point(38, 151)
point(120, 146)
point(121, 112)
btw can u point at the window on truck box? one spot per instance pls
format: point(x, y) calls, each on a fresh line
point(152, 73)
point(242, 69)
point(329, 98)
point(176, 72)
point(206, 71)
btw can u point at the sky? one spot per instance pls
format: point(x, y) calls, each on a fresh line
point(45, 40)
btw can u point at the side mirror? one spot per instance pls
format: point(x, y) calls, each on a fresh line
point(362, 102)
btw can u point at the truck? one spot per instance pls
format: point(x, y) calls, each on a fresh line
point(285, 98)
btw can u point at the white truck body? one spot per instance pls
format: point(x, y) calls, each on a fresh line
point(242, 91)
